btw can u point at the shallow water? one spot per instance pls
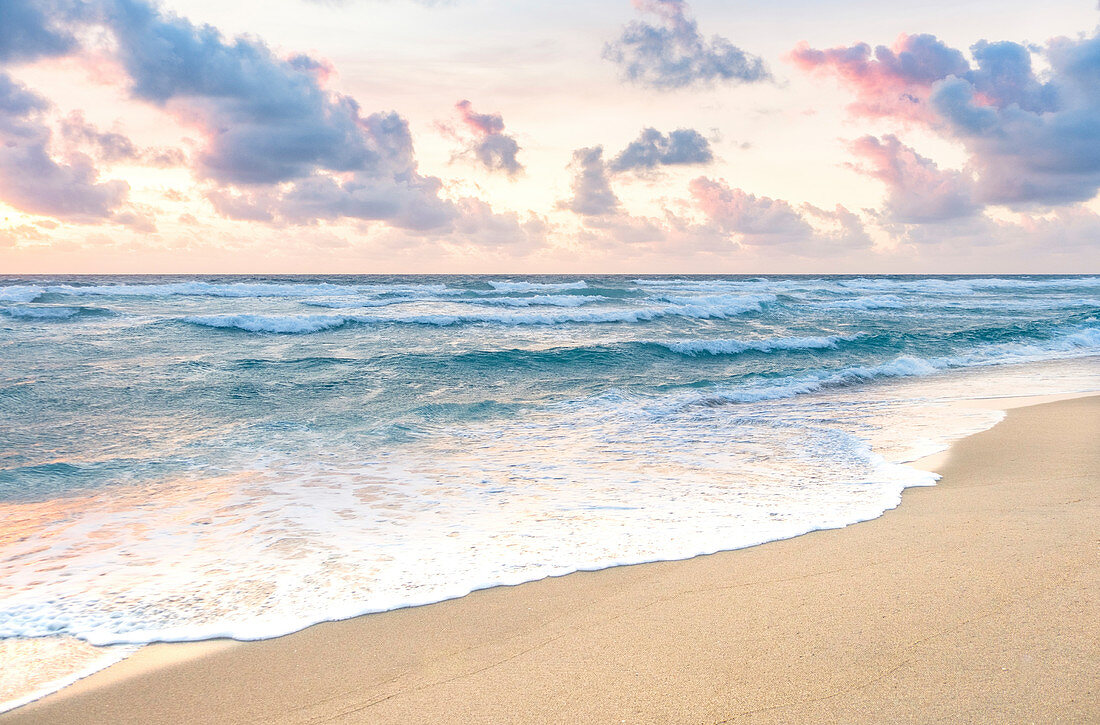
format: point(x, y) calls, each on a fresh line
point(186, 458)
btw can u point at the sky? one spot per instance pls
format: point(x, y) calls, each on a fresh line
point(514, 136)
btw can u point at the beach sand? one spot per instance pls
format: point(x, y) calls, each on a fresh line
point(974, 601)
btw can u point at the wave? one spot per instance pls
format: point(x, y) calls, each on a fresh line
point(20, 293)
point(533, 301)
point(1030, 283)
point(723, 283)
point(511, 286)
point(629, 352)
point(352, 303)
point(1072, 344)
point(694, 348)
point(297, 324)
point(650, 288)
point(536, 301)
point(278, 324)
point(201, 289)
point(876, 302)
point(52, 312)
point(716, 306)
point(893, 302)
point(965, 285)
point(657, 288)
point(41, 313)
point(243, 290)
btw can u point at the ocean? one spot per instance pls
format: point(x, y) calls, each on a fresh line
point(192, 457)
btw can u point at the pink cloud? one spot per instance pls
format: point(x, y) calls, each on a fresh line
point(760, 219)
point(482, 124)
point(888, 81)
point(919, 191)
point(490, 146)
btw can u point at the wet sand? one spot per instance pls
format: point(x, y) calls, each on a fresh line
point(974, 601)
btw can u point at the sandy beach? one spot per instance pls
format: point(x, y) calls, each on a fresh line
point(973, 601)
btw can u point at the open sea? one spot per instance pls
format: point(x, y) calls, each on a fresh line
point(187, 457)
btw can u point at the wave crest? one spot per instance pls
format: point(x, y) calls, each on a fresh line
point(694, 348)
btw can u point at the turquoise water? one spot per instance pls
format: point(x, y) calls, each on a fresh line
point(190, 457)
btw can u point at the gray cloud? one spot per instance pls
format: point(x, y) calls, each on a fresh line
point(274, 134)
point(1033, 138)
point(29, 29)
point(32, 180)
point(674, 54)
point(592, 194)
point(268, 119)
point(493, 148)
point(278, 146)
point(652, 149)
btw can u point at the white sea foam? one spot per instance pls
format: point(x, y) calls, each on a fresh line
point(479, 506)
point(204, 289)
point(537, 301)
point(725, 285)
point(42, 313)
point(405, 459)
point(1084, 342)
point(297, 324)
point(248, 289)
point(284, 324)
point(717, 306)
point(511, 286)
point(733, 347)
point(20, 293)
point(874, 302)
point(963, 285)
point(1020, 283)
point(348, 303)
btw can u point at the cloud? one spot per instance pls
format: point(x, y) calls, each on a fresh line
point(113, 147)
point(760, 221)
point(899, 81)
point(266, 120)
point(757, 219)
point(274, 137)
point(652, 149)
point(402, 197)
point(1032, 139)
point(413, 204)
point(592, 194)
point(480, 226)
point(919, 191)
point(673, 53)
point(276, 145)
point(32, 180)
point(733, 218)
point(887, 81)
point(494, 149)
point(483, 124)
point(29, 30)
point(1048, 242)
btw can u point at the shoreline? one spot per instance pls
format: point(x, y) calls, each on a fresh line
point(419, 649)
